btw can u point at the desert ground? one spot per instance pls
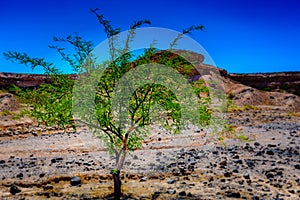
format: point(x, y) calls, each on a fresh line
point(261, 161)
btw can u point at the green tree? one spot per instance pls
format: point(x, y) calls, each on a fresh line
point(116, 114)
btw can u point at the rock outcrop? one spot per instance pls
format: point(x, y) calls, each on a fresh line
point(24, 80)
point(283, 81)
point(286, 81)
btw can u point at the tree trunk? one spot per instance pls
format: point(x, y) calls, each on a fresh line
point(117, 185)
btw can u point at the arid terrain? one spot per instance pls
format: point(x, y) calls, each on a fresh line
point(260, 161)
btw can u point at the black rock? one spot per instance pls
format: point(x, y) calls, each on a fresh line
point(223, 163)
point(2, 161)
point(58, 158)
point(272, 145)
point(246, 176)
point(292, 191)
point(250, 163)
point(48, 187)
point(235, 170)
point(20, 175)
point(256, 144)
point(143, 179)
point(297, 166)
point(233, 194)
point(14, 190)
point(227, 174)
point(155, 195)
point(47, 194)
point(170, 191)
point(34, 133)
point(239, 161)
point(189, 194)
point(87, 164)
point(182, 193)
point(171, 181)
point(270, 175)
point(259, 153)
point(75, 181)
point(270, 152)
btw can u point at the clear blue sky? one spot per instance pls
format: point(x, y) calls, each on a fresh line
point(242, 36)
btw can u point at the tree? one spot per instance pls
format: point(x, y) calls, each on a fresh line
point(120, 106)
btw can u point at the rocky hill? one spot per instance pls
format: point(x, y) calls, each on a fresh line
point(283, 81)
point(280, 82)
point(24, 80)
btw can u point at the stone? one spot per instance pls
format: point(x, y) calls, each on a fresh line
point(34, 133)
point(155, 195)
point(269, 152)
point(14, 190)
point(48, 187)
point(75, 181)
point(256, 144)
point(227, 174)
point(171, 191)
point(235, 170)
point(144, 179)
point(182, 193)
point(223, 163)
point(246, 176)
point(171, 181)
point(233, 194)
point(20, 175)
point(269, 175)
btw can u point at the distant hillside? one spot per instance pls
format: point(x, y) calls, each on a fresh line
point(24, 80)
point(281, 81)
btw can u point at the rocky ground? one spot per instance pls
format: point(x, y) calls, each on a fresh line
point(259, 161)
point(264, 163)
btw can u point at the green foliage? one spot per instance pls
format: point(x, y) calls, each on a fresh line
point(267, 89)
point(249, 107)
point(114, 171)
point(243, 138)
point(6, 113)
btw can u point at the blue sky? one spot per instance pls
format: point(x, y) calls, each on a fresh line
point(242, 36)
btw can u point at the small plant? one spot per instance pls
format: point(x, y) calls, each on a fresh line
point(243, 137)
point(293, 114)
point(227, 132)
point(230, 96)
point(249, 107)
point(267, 89)
point(234, 108)
point(6, 113)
